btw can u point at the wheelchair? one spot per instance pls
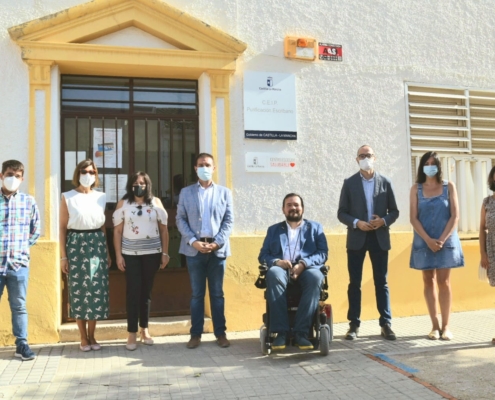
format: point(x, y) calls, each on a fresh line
point(321, 331)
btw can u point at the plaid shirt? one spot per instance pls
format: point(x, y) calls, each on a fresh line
point(19, 230)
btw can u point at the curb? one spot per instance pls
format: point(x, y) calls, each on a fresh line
point(412, 377)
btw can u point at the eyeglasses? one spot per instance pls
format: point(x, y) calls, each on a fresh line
point(140, 212)
point(367, 155)
point(84, 172)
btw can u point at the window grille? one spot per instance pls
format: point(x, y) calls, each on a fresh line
point(459, 124)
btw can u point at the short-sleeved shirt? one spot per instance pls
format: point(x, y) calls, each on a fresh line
point(86, 210)
point(141, 234)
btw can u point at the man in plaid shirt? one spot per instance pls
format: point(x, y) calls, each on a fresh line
point(19, 230)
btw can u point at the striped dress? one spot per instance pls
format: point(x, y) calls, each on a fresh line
point(140, 235)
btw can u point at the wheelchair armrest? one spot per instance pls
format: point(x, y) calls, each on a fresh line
point(324, 270)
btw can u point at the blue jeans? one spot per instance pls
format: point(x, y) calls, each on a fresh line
point(16, 282)
point(202, 267)
point(277, 280)
point(379, 263)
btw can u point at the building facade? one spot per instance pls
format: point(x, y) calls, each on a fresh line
point(153, 83)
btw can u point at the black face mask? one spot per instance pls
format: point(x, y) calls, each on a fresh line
point(138, 191)
point(492, 187)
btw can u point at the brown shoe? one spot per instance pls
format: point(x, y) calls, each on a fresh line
point(194, 342)
point(222, 341)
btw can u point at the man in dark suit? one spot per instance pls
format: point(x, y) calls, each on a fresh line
point(295, 247)
point(367, 206)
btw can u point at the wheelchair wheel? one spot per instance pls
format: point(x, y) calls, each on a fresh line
point(324, 340)
point(316, 330)
point(265, 349)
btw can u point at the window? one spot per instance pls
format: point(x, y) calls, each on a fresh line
point(459, 124)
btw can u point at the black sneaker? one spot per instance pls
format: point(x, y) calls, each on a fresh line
point(23, 352)
point(388, 333)
point(352, 333)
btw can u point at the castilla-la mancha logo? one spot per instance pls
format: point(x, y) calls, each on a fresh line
point(269, 81)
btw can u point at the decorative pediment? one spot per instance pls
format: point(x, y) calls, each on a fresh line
point(69, 38)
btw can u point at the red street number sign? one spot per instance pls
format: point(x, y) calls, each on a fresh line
point(329, 52)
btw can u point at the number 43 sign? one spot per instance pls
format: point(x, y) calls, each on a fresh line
point(329, 52)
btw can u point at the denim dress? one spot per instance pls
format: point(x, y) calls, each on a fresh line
point(434, 213)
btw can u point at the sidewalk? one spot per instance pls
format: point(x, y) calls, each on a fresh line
point(463, 368)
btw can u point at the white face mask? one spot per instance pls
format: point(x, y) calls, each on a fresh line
point(11, 183)
point(87, 180)
point(366, 164)
point(205, 173)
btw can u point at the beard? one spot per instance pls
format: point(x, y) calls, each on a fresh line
point(294, 216)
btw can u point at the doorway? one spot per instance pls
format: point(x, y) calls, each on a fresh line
point(127, 125)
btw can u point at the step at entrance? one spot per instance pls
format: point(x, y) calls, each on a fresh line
point(117, 329)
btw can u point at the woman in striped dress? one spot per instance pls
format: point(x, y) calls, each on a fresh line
point(141, 246)
point(84, 252)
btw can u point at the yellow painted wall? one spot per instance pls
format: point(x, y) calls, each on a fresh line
point(245, 303)
point(43, 298)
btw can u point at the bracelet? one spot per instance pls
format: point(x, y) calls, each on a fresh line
point(165, 254)
point(64, 258)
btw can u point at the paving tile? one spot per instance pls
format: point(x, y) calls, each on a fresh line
point(169, 370)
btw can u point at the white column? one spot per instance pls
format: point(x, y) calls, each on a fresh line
point(480, 189)
point(220, 106)
point(39, 158)
point(56, 140)
point(445, 168)
point(471, 196)
point(204, 97)
point(462, 194)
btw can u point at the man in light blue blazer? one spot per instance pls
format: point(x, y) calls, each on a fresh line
point(293, 249)
point(204, 219)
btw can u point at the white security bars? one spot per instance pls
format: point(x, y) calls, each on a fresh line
point(458, 123)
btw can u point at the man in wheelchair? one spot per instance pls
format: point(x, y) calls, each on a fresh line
point(294, 251)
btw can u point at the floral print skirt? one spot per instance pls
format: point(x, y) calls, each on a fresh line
point(88, 275)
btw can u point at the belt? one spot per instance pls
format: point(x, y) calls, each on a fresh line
point(206, 239)
point(83, 230)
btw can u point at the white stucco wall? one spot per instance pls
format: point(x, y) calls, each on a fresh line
point(340, 105)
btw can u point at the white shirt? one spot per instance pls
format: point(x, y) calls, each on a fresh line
point(369, 188)
point(141, 233)
point(293, 249)
point(205, 200)
point(205, 196)
point(86, 210)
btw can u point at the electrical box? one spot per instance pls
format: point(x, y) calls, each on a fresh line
point(300, 48)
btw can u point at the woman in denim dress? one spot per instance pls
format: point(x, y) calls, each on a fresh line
point(436, 247)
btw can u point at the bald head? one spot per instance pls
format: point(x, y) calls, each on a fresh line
point(365, 149)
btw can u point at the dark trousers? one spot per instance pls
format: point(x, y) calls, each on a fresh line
point(310, 283)
point(379, 263)
point(139, 274)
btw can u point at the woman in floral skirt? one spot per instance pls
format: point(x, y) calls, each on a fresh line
point(84, 252)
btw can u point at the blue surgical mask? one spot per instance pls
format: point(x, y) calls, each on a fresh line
point(430, 170)
point(205, 173)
